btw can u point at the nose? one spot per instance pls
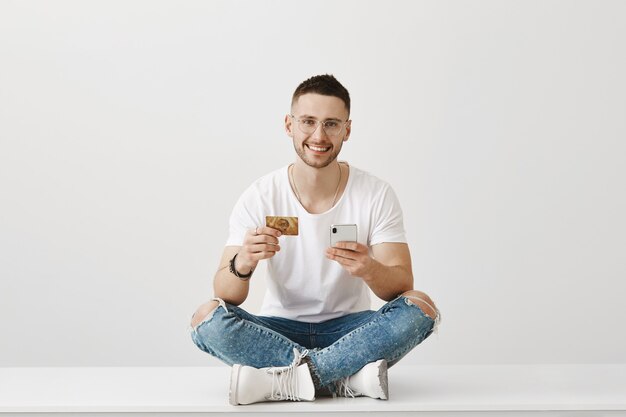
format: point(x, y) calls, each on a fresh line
point(319, 131)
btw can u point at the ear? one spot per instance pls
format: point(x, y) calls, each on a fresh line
point(348, 130)
point(289, 126)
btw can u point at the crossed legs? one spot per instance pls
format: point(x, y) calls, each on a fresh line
point(418, 298)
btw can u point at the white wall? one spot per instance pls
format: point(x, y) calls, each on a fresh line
point(129, 128)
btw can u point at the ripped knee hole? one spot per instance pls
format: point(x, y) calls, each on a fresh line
point(203, 312)
point(426, 306)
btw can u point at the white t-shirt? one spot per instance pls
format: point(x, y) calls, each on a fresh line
point(302, 283)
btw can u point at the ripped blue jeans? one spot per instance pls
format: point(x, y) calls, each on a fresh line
point(337, 348)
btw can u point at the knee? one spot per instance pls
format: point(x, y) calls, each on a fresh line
point(423, 301)
point(203, 312)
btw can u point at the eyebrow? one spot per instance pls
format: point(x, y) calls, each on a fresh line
point(307, 116)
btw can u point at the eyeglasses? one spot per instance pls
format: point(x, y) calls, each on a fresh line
point(308, 125)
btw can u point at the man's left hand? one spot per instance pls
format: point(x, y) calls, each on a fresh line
point(353, 257)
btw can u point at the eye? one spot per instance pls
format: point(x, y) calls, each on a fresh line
point(308, 122)
point(331, 124)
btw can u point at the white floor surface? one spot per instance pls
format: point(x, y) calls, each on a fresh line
point(520, 390)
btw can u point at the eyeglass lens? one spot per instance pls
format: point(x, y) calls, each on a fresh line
point(331, 127)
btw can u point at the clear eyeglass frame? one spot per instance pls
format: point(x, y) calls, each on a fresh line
point(329, 126)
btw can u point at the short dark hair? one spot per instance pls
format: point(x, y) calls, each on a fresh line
point(326, 85)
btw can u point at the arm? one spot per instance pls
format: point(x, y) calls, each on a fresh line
point(255, 247)
point(226, 285)
point(388, 273)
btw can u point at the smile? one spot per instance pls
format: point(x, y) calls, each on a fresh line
point(318, 148)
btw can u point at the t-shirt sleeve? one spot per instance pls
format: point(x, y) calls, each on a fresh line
point(388, 224)
point(242, 218)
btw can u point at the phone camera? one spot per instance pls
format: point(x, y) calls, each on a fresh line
point(334, 230)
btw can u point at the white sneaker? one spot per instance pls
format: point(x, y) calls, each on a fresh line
point(369, 381)
point(251, 385)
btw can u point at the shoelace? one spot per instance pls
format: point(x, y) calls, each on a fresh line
point(285, 379)
point(343, 388)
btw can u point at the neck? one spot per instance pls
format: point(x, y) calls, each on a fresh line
point(318, 189)
point(316, 180)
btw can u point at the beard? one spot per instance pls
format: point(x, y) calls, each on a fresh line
point(334, 153)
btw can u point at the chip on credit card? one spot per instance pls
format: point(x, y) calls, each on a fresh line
point(287, 225)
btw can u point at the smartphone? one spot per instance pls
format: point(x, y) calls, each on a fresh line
point(342, 233)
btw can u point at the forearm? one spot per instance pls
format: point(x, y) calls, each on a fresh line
point(260, 243)
point(230, 288)
point(387, 282)
point(227, 285)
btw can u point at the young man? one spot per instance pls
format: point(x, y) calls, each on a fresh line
point(315, 331)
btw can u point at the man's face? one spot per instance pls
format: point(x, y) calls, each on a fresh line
point(317, 149)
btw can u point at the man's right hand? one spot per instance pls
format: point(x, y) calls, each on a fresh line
point(260, 243)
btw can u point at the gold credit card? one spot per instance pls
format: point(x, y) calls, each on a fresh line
point(287, 225)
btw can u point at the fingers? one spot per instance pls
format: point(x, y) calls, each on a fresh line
point(340, 252)
point(263, 247)
point(251, 254)
point(259, 256)
point(260, 243)
point(346, 262)
point(263, 234)
point(352, 256)
point(263, 230)
point(353, 246)
point(349, 250)
point(353, 266)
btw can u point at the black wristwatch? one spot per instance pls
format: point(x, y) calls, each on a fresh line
point(233, 270)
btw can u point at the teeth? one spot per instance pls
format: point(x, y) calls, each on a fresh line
point(318, 149)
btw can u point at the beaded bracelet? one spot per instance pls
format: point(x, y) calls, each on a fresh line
point(234, 271)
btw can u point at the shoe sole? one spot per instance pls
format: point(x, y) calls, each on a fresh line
point(234, 381)
point(383, 380)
